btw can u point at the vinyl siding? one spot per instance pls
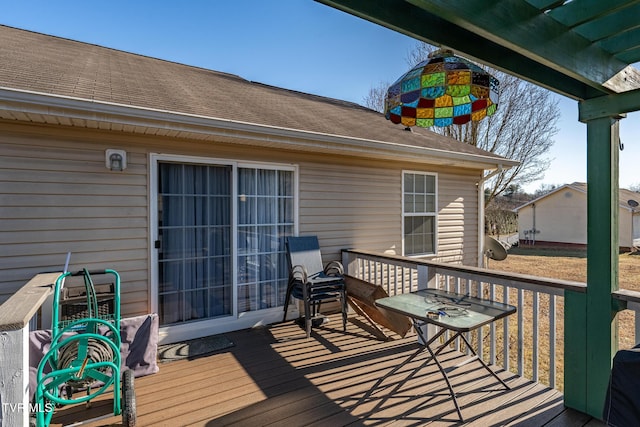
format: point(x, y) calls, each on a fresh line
point(361, 207)
point(458, 218)
point(354, 207)
point(57, 196)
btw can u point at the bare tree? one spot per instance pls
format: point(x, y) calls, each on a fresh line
point(375, 98)
point(521, 129)
point(544, 189)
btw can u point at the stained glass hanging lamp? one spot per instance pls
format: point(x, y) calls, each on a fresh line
point(442, 91)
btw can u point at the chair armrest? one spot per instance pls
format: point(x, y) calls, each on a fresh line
point(334, 268)
point(298, 273)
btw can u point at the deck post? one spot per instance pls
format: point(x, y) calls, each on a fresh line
point(14, 377)
point(350, 263)
point(15, 315)
point(427, 280)
point(590, 321)
point(426, 277)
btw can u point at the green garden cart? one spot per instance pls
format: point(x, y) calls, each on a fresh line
point(83, 361)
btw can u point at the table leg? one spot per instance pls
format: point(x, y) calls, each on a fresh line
point(484, 365)
point(433, 355)
point(446, 379)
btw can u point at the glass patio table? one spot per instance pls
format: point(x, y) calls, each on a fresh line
point(451, 312)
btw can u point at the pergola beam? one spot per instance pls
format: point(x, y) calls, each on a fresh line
point(611, 24)
point(609, 105)
point(522, 28)
point(575, 13)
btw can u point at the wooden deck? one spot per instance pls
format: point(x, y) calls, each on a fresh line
point(275, 376)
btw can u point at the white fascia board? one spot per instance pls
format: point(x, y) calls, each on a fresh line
point(79, 108)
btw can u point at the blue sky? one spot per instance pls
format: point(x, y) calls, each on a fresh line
point(295, 44)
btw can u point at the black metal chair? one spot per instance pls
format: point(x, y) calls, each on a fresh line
point(312, 283)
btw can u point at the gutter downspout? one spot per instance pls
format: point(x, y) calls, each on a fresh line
point(480, 185)
point(533, 238)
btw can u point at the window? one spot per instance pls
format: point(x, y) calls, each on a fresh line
point(419, 207)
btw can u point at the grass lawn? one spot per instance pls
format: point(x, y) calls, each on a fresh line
point(571, 265)
point(567, 264)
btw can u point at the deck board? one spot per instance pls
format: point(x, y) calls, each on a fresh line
point(275, 376)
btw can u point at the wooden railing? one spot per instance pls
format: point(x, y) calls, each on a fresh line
point(629, 300)
point(15, 315)
point(537, 299)
point(515, 341)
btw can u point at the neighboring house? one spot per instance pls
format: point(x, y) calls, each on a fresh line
point(560, 217)
point(218, 171)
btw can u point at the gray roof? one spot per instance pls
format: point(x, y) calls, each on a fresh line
point(45, 64)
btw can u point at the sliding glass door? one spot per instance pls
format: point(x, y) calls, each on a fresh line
point(221, 239)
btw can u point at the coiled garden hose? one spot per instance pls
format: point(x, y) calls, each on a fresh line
point(96, 351)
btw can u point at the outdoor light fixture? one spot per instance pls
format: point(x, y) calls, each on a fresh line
point(115, 160)
point(442, 91)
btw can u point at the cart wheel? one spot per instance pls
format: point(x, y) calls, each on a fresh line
point(128, 400)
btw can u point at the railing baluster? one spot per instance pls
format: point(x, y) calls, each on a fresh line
point(520, 333)
point(395, 281)
point(492, 328)
point(536, 303)
point(505, 332)
point(375, 272)
point(467, 288)
point(388, 277)
point(552, 341)
point(404, 280)
point(457, 290)
point(480, 346)
point(441, 283)
point(369, 270)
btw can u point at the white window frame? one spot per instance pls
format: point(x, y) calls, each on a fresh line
point(236, 320)
point(420, 214)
